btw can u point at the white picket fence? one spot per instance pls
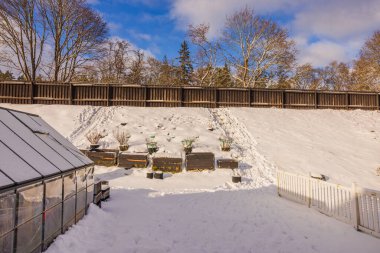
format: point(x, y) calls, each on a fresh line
point(357, 206)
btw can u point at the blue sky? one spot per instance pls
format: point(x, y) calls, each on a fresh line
point(324, 30)
point(146, 24)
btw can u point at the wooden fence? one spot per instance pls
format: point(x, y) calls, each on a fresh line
point(155, 96)
point(357, 206)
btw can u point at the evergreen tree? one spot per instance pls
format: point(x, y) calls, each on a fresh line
point(224, 77)
point(186, 67)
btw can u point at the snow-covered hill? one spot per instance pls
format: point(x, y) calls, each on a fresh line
point(205, 212)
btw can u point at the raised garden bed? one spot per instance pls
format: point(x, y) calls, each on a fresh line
point(227, 164)
point(106, 158)
point(200, 161)
point(167, 164)
point(137, 160)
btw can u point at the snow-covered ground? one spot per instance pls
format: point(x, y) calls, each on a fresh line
point(205, 212)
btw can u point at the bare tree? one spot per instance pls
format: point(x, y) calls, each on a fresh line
point(113, 62)
point(306, 77)
point(23, 32)
point(136, 69)
point(336, 76)
point(77, 32)
point(367, 67)
point(207, 55)
point(255, 47)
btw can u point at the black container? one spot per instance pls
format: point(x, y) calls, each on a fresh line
point(159, 175)
point(94, 147)
point(149, 175)
point(236, 179)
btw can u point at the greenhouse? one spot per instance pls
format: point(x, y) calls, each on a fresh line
point(46, 184)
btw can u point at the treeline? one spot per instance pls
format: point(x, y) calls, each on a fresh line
point(67, 41)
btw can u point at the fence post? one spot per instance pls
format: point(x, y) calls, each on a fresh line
point(378, 101)
point(347, 101)
point(31, 92)
point(308, 191)
point(355, 207)
point(283, 98)
point(216, 95)
point(108, 94)
point(315, 99)
point(70, 93)
point(145, 96)
point(249, 97)
point(181, 98)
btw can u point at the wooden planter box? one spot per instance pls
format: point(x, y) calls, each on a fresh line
point(128, 160)
point(200, 161)
point(227, 164)
point(102, 158)
point(167, 164)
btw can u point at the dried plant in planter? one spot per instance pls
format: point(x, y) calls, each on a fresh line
point(122, 137)
point(188, 144)
point(151, 144)
point(225, 143)
point(94, 137)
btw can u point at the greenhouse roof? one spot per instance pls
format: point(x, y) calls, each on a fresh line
point(30, 149)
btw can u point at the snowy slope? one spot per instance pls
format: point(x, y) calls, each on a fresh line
point(205, 212)
point(343, 145)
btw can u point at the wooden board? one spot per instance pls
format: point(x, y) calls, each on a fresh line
point(167, 164)
point(200, 161)
point(137, 160)
point(227, 164)
point(101, 158)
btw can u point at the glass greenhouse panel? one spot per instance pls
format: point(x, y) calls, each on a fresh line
point(81, 200)
point(90, 194)
point(29, 235)
point(69, 184)
point(69, 210)
point(81, 179)
point(6, 243)
point(53, 193)
point(53, 222)
point(90, 176)
point(29, 202)
point(7, 212)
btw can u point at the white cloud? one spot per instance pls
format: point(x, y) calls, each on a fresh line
point(214, 12)
point(338, 19)
point(324, 30)
point(322, 53)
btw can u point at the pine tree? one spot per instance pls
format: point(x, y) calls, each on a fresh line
point(223, 77)
point(186, 67)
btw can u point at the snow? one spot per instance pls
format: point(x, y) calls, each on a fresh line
point(205, 211)
point(29, 155)
point(222, 221)
point(342, 145)
point(4, 180)
point(30, 148)
point(14, 167)
point(25, 133)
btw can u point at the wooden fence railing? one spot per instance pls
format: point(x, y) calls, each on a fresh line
point(357, 206)
point(155, 96)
